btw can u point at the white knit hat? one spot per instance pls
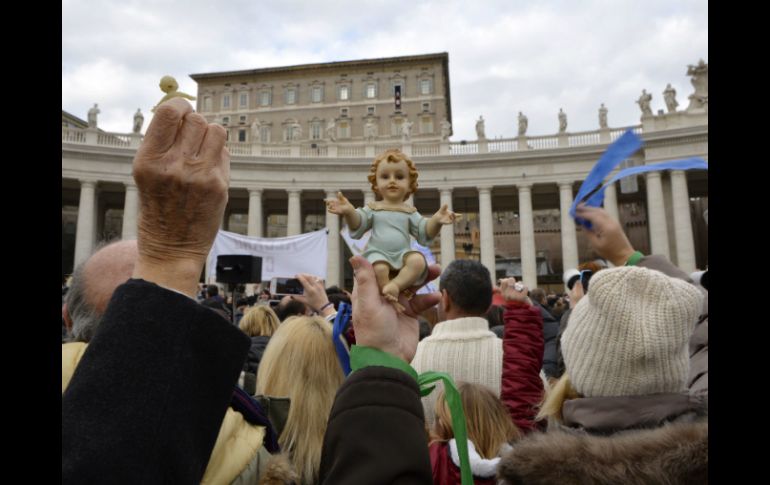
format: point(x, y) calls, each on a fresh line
point(629, 335)
point(568, 275)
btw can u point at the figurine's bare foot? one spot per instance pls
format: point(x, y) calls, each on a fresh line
point(390, 292)
point(394, 301)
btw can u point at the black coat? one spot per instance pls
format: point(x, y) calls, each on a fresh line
point(560, 367)
point(550, 336)
point(147, 400)
point(258, 345)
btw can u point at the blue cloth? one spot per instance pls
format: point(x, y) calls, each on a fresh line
point(619, 150)
point(592, 191)
point(687, 164)
point(254, 414)
point(340, 325)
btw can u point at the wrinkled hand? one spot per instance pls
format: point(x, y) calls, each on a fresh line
point(376, 321)
point(445, 216)
point(315, 292)
point(340, 205)
point(510, 293)
point(182, 173)
point(606, 236)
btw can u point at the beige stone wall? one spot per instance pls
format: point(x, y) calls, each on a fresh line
point(329, 78)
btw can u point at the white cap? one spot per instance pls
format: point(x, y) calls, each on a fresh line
point(568, 275)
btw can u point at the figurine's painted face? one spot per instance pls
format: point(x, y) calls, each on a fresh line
point(393, 181)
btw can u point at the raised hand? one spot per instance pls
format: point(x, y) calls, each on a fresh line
point(445, 216)
point(377, 322)
point(606, 236)
point(314, 291)
point(182, 173)
point(513, 291)
point(340, 206)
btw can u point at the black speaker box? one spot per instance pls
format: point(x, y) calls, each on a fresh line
point(239, 268)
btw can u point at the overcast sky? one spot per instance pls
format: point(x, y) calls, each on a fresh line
point(504, 56)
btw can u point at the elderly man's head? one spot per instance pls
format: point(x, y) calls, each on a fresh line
point(93, 283)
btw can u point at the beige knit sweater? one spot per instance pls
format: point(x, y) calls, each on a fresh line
point(465, 349)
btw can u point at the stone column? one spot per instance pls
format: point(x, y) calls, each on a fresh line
point(486, 230)
point(84, 237)
point(527, 234)
point(294, 213)
point(657, 223)
point(611, 202)
point(447, 232)
point(333, 254)
point(255, 213)
point(685, 246)
point(569, 249)
point(130, 209)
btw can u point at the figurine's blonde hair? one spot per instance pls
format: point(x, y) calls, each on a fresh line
point(393, 156)
point(259, 320)
point(487, 421)
point(170, 82)
point(300, 363)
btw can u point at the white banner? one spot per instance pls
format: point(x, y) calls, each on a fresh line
point(357, 247)
point(281, 256)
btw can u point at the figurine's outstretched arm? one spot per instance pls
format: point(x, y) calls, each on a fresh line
point(342, 206)
point(443, 216)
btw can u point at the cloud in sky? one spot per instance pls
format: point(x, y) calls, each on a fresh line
point(504, 57)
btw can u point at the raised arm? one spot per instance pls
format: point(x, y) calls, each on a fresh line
point(342, 206)
point(521, 387)
point(376, 430)
point(156, 346)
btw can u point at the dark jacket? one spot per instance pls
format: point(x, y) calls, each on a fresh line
point(521, 388)
point(560, 367)
point(660, 438)
point(256, 351)
point(147, 399)
point(376, 431)
point(550, 334)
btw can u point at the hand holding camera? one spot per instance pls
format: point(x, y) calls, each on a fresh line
point(307, 288)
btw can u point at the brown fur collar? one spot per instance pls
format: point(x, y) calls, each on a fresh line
point(672, 454)
point(279, 471)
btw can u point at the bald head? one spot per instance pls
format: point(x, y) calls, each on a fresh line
point(107, 269)
point(93, 284)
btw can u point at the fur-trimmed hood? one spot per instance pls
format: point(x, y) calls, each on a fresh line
point(675, 453)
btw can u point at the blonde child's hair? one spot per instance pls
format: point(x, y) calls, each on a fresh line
point(259, 320)
point(555, 398)
point(486, 420)
point(300, 363)
point(393, 156)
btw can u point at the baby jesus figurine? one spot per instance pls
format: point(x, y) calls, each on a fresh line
point(394, 178)
point(169, 86)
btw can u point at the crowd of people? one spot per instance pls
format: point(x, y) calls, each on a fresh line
point(162, 382)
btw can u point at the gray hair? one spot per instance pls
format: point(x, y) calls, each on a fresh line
point(85, 318)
